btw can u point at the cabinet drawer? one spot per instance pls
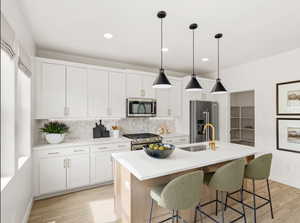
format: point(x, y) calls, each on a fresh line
point(80, 150)
point(64, 151)
point(110, 147)
point(53, 153)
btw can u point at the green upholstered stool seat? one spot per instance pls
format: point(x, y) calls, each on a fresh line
point(155, 193)
point(183, 192)
point(257, 169)
point(227, 178)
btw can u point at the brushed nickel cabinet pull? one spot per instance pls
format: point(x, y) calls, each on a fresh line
point(78, 150)
point(53, 153)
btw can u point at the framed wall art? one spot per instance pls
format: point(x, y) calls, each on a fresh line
point(288, 98)
point(288, 134)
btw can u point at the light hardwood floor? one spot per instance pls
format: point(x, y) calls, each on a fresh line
point(97, 206)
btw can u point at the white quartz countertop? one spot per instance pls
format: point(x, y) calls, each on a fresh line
point(77, 142)
point(144, 167)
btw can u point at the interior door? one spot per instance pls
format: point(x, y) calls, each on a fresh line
point(78, 171)
point(98, 93)
point(76, 92)
point(117, 94)
point(53, 175)
point(53, 90)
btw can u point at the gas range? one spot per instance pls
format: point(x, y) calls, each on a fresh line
point(141, 139)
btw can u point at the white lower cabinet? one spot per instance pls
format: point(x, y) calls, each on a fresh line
point(53, 174)
point(101, 161)
point(78, 171)
point(64, 168)
point(102, 165)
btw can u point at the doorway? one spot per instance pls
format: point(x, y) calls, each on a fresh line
point(242, 118)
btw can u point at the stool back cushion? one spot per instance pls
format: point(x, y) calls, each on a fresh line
point(229, 177)
point(183, 192)
point(259, 168)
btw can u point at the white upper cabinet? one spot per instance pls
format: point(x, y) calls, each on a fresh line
point(175, 98)
point(139, 85)
point(163, 96)
point(147, 89)
point(76, 88)
point(117, 94)
point(51, 90)
point(133, 86)
point(169, 101)
point(98, 97)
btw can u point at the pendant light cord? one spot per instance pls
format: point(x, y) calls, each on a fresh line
point(218, 59)
point(193, 53)
point(161, 44)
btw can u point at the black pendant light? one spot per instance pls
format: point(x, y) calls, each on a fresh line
point(161, 80)
point(218, 87)
point(193, 85)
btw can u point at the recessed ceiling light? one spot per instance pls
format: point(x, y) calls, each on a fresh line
point(165, 49)
point(204, 59)
point(108, 36)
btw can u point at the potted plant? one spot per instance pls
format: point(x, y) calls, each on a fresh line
point(55, 131)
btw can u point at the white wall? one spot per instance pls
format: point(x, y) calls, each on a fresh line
point(262, 76)
point(17, 195)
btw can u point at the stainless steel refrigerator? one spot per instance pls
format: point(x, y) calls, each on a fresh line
point(201, 113)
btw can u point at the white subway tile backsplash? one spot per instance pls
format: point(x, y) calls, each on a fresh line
point(83, 129)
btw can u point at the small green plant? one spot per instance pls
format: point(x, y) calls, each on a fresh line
point(55, 128)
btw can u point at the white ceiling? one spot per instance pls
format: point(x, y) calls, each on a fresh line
point(252, 29)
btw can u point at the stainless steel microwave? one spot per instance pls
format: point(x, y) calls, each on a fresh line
point(141, 107)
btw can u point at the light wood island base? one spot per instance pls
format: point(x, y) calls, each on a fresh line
point(132, 196)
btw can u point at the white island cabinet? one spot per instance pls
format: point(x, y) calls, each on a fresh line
point(71, 166)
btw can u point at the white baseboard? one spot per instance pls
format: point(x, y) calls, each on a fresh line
point(28, 210)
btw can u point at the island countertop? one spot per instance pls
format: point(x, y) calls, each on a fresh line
point(144, 167)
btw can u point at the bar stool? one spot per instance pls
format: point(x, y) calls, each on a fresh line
point(257, 169)
point(227, 178)
point(183, 192)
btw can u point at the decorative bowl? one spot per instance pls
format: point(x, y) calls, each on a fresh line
point(157, 153)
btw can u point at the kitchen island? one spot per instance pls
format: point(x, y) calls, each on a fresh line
point(135, 173)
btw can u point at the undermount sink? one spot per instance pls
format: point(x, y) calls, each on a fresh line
point(196, 148)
